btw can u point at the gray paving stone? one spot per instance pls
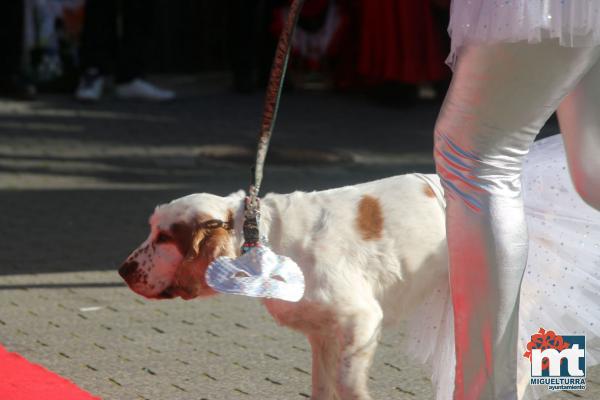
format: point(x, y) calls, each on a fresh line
point(119, 346)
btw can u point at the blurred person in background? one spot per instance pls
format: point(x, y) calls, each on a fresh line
point(318, 26)
point(250, 44)
point(402, 47)
point(114, 41)
point(256, 26)
point(324, 44)
point(13, 78)
point(396, 48)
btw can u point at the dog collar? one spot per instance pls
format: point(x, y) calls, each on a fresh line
point(216, 224)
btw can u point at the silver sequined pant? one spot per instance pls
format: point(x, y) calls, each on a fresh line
point(500, 97)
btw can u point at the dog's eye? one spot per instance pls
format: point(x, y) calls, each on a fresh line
point(163, 238)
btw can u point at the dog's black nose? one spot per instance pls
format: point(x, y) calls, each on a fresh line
point(127, 269)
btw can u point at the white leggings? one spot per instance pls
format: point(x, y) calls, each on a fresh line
point(500, 97)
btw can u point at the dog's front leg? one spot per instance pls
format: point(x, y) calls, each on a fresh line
point(325, 356)
point(359, 335)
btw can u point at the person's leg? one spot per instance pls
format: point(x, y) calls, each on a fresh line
point(247, 20)
point(134, 31)
point(11, 37)
point(98, 48)
point(579, 117)
point(98, 41)
point(134, 22)
point(499, 98)
point(13, 73)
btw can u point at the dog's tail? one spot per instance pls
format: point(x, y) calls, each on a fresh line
point(429, 334)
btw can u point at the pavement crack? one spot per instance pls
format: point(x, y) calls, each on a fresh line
point(115, 382)
point(157, 329)
point(408, 392)
point(212, 378)
point(393, 366)
point(178, 387)
point(148, 370)
point(274, 382)
point(301, 370)
point(241, 366)
point(99, 346)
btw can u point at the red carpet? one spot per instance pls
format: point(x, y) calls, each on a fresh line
point(22, 380)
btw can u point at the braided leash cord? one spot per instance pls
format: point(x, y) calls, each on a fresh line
point(273, 95)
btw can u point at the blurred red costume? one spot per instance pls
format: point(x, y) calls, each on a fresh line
point(400, 41)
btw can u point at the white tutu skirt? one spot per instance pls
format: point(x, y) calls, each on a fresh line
point(561, 286)
point(575, 23)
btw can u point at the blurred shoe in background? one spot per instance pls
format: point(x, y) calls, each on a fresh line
point(91, 86)
point(143, 90)
point(114, 43)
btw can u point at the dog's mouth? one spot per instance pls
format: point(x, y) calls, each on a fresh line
point(168, 293)
point(165, 294)
point(173, 292)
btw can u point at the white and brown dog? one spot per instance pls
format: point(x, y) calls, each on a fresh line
point(368, 252)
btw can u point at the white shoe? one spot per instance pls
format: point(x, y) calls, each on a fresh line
point(143, 90)
point(90, 86)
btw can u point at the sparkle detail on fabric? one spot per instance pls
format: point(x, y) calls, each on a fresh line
point(561, 281)
point(574, 23)
point(257, 273)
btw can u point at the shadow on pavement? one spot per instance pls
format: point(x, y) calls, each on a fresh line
point(81, 285)
point(152, 153)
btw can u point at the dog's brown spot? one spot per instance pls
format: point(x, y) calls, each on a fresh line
point(183, 235)
point(369, 219)
point(428, 191)
point(230, 218)
point(189, 280)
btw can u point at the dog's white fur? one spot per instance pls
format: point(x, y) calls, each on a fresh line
point(369, 253)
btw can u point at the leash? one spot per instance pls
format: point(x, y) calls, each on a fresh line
point(258, 271)
point(272, 98)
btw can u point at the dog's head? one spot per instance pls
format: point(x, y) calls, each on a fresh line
point(186, 235)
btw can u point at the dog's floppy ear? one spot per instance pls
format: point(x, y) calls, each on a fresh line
point(204, 247)
point(217, 243)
